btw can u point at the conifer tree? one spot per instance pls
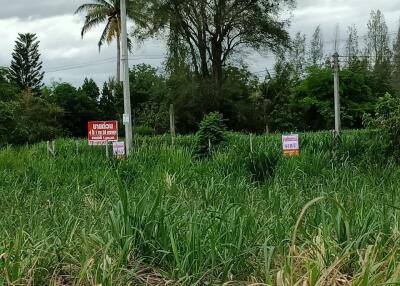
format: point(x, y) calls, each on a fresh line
point(107, 103)
point(26, 68)
point(90, 89)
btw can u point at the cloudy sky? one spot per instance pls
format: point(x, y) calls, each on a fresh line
point(69, 58)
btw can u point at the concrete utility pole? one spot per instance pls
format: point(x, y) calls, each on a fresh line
point(337, 96)
point(125, 78)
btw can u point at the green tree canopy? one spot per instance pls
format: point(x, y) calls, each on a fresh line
point(213, 31)
point(8, 91)
point(90, 89)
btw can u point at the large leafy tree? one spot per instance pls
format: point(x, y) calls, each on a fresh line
point(313, 97)
point(78, 108)
point(26, 68)
point(213, 31)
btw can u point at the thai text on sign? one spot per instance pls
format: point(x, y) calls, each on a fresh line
point(291, 145)
point(101, 132)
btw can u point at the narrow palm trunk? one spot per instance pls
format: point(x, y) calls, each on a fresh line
point(118, 59)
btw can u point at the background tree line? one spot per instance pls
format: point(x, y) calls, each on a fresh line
point(201, 75)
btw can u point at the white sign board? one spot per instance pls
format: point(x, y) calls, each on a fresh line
point(291, 145)
point(126, 119)
point(119, 149)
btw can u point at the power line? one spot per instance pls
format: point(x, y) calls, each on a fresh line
point(100, 62)
point(73, 67)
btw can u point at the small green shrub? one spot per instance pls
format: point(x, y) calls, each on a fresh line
point(262, 165)
point(211, 134)
point(144, 131)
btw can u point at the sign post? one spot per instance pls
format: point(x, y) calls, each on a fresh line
point(102, 132)
point(291, 145)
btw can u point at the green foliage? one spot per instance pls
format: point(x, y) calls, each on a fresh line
point(184, 92)
point(209, 47)
point(395, 77)
point(78, 108)
point(238, 107)
point(8, 122)
point(110, 102)
point(262, 165)
point(143, 131)
point(149, 90)
point(387, 120)
point(276, 101)
point(211, 134)
point(90, 89)
point(160, 216)
point(26, 67)
point(29, 120)
point(8, 91)
point(314, 97)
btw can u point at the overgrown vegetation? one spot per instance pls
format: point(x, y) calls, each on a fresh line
point(295, 96)
point(210, 135)
point(387, 121)
point(165, 218)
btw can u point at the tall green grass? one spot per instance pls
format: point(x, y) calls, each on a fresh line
point(164, 217)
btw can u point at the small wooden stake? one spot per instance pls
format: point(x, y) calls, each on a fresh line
point(51, 150)
point(108, 156)
point(172, 123)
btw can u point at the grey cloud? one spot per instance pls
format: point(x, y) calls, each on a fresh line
point(35, 9)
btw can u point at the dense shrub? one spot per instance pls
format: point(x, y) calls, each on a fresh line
point(211, 134)
point(28, 120)
point(387, 121)
point(262, 165)
point(144, 131)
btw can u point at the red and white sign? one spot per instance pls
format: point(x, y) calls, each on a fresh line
point(291, 145)
point(119, 149)
point(101, 132)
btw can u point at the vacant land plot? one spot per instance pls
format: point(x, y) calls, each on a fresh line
point(328, 217)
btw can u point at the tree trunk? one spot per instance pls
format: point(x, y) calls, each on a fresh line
point(217, 67)
point(118, 59)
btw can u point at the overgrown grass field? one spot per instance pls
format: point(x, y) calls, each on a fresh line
point(163, 217)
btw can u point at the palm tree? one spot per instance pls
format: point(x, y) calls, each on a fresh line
point(108, 12)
